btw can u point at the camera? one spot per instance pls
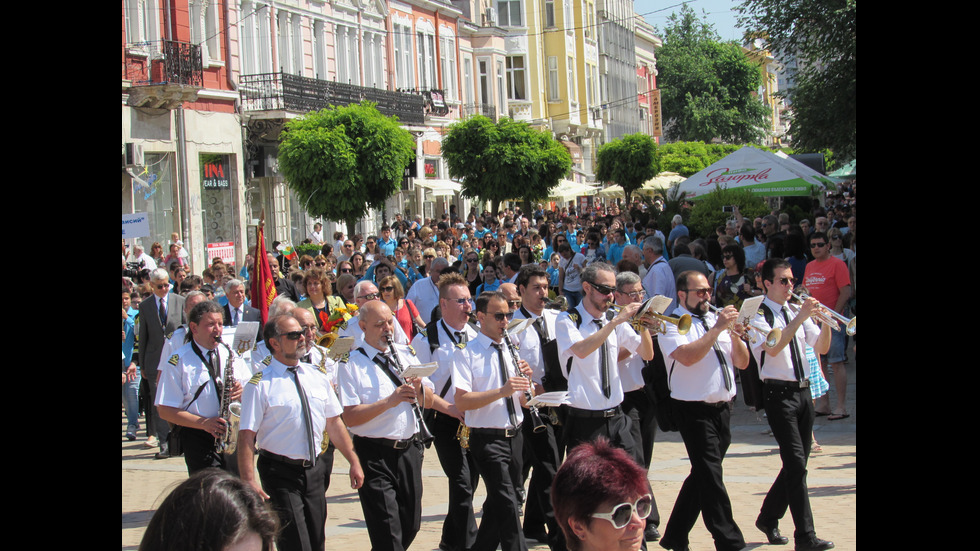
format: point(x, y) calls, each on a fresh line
point(728, 209)
point(136, 271)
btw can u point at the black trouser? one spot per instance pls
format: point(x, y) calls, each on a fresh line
point(391, 496)
point(583, 426)
point(790, 414)
point(541, 450)
point(640, 410)
point(200, 452)
point(459, 529)
point(155, 426)
point(499, 461)
point(705, 430)
point(299, 498)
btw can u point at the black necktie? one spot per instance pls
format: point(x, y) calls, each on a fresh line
point(719, 354)
point(794, 353)
point(214, 367)
point(511, 411)
point(603, 365)
point(163, 313)
point(461, 337)
point(234, 317)
point(306, 415)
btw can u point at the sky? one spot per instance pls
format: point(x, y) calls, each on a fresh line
point(721, 13)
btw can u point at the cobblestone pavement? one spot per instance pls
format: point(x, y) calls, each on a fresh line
point(750, 468)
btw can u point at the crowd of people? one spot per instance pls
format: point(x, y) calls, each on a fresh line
point(438, 299)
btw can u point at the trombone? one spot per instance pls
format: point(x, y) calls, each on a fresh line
point(772, 335)
point(828, 316)
point(645, 317)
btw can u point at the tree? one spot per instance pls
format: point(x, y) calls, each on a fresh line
point(628, 161)
point(822, 35)
point(708, 87)
point(707, 214)
point(506, 160)
point(341, 161)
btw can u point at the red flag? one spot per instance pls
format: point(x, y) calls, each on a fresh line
point(263, 284)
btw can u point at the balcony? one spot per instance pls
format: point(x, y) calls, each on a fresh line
point(298, 94)
point(487, 110)
point(163, 74)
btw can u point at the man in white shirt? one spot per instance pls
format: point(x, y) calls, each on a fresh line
point(660, 278)
point(425, 292)
point(702, 386)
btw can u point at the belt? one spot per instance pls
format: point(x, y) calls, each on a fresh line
point(305, 463)
point(611, 412)
point(795, 385)
point(391, 443)
point(506, 433)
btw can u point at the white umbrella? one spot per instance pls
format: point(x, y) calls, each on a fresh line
point(758, 171)
point(658, 183)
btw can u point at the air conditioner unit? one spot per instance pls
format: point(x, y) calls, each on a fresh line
point(490, 17)
point(132, 154)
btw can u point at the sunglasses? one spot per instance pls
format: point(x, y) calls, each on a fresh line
point(602, 289)
point(293, 335)
point(701, 293)
point(345, 270)
point(388, 289)
point(817, 245)
point(786, 280)
point(622, 514)
point(370, 296)
point(502, 316)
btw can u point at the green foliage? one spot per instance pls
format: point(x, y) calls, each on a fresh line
point(341, 161)
point(628, 161)
point(708, 87)
point(674, 202)
point(822, 35)
point(308, 248)
point(706, 215)
point(506, 160)
point(689, 158)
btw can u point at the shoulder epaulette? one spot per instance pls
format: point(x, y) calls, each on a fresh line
point(173, 359)
point(461, 345)
point(410, 349)
point(345, 358)
point(169, 335)
point(267, 360)
point(255, 378)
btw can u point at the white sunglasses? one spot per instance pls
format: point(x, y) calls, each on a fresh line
point(622, 514)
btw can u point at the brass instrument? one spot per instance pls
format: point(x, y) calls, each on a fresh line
point(326, 340)
point(424, 435)
point(772, 336)
point(230, 411)
point(560, 303)
point(463, 435)
point(539, 425)
point(830, 317)
point(655, 321)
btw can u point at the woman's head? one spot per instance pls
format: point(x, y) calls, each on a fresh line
point(211, 511)
point(345, 286)
point(390, 288)
point(316, 283)
point(595, 478)
point(735, 255)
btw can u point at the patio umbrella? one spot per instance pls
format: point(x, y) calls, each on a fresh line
point(759, 171)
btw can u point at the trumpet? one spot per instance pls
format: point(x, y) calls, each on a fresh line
point(655, 321)
point(560, 303)
point(772, 335)
point(830, 317)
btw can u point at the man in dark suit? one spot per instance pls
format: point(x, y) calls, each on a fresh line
point(160, 315)
point(237, 310)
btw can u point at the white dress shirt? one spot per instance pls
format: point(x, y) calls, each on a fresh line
point(780, 366)
point(703, 381)
point(477, 368)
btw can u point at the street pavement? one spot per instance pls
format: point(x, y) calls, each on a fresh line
point(750, 468)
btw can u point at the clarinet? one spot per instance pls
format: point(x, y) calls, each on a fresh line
point(424, 435)
point(529, 393)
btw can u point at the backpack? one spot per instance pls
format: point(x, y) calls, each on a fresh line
point(751, 376)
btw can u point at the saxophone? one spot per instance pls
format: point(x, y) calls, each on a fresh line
point(230, 411)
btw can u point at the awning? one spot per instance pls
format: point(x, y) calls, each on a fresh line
point(659, 183)
point(440, 187)
point(567, 190)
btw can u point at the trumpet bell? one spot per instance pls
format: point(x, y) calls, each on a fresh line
point(327, 339)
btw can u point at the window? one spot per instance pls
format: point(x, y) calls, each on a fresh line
point(404, 67)
point(549, 13)
point(141, 21)
point(290, 42)
point(515, 78)
point(500, 88)
point(204, 29)
point(346, 52)
point(591, 75)
point(468, 79)
point(509, 13)
point(426, 47)
point(255, 38)
point(572, 96)
point(486, 92)
point(447, 60)
point(554, 92)
point(373, 60)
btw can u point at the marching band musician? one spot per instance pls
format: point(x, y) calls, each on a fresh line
point(490, 390)
point(590, 347)
point(702, 387)
point(784, 371)
point(443, 336)
point(541, 447)
point(192, 383)
point(286, 408)
point(379, 410)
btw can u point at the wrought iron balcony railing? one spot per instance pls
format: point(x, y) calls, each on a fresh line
point(283, 91)
point(163, 62)
point(485, 109)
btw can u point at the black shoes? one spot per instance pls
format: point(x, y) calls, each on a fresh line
point(651, 533)
point(772, 534)
point(816, 544)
